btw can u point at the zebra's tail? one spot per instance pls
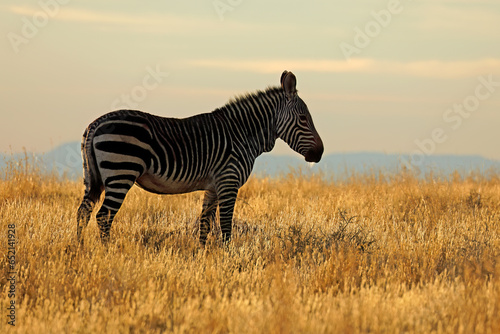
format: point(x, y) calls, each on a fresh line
point(91, 174)
point(92, 180)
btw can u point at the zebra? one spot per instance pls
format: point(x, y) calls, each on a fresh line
point(214, 152)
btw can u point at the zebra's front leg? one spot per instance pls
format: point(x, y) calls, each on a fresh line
point(208, 214)
point(227, 199)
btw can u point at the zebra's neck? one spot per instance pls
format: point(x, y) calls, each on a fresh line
point(252, 119)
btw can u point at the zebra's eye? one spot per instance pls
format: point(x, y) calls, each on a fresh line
point(303, 118)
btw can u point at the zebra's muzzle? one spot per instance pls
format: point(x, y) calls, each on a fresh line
point(315, 153)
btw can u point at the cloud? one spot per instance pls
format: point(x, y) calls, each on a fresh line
point(141, 21)
point(85, 16)
point(428, 68)
point(466, 18)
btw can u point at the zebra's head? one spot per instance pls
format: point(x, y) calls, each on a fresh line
point(294, 122)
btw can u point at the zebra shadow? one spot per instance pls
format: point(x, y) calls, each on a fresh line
point(157, 237)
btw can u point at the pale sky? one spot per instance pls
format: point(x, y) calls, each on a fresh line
point(386, 76)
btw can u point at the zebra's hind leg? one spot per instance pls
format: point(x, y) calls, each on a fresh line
point(83, 216)
point(85, 210)
point(208, 214)
point(114, 194)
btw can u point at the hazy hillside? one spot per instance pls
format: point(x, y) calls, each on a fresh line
point(66, 160)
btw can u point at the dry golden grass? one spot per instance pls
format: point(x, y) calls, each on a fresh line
point(308, 256)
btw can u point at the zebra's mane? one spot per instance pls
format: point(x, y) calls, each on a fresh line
point(270, 91)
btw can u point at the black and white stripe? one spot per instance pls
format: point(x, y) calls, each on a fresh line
point(214, 152)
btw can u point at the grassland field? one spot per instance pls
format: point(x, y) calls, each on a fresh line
point(368, 254)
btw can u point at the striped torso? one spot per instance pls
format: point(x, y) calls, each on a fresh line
point(170, 155)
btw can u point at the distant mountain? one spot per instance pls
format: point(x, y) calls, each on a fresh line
point(66, 160)
point(344, 165)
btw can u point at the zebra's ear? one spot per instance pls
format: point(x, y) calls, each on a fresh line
point(283, 75)
point(289, 83)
